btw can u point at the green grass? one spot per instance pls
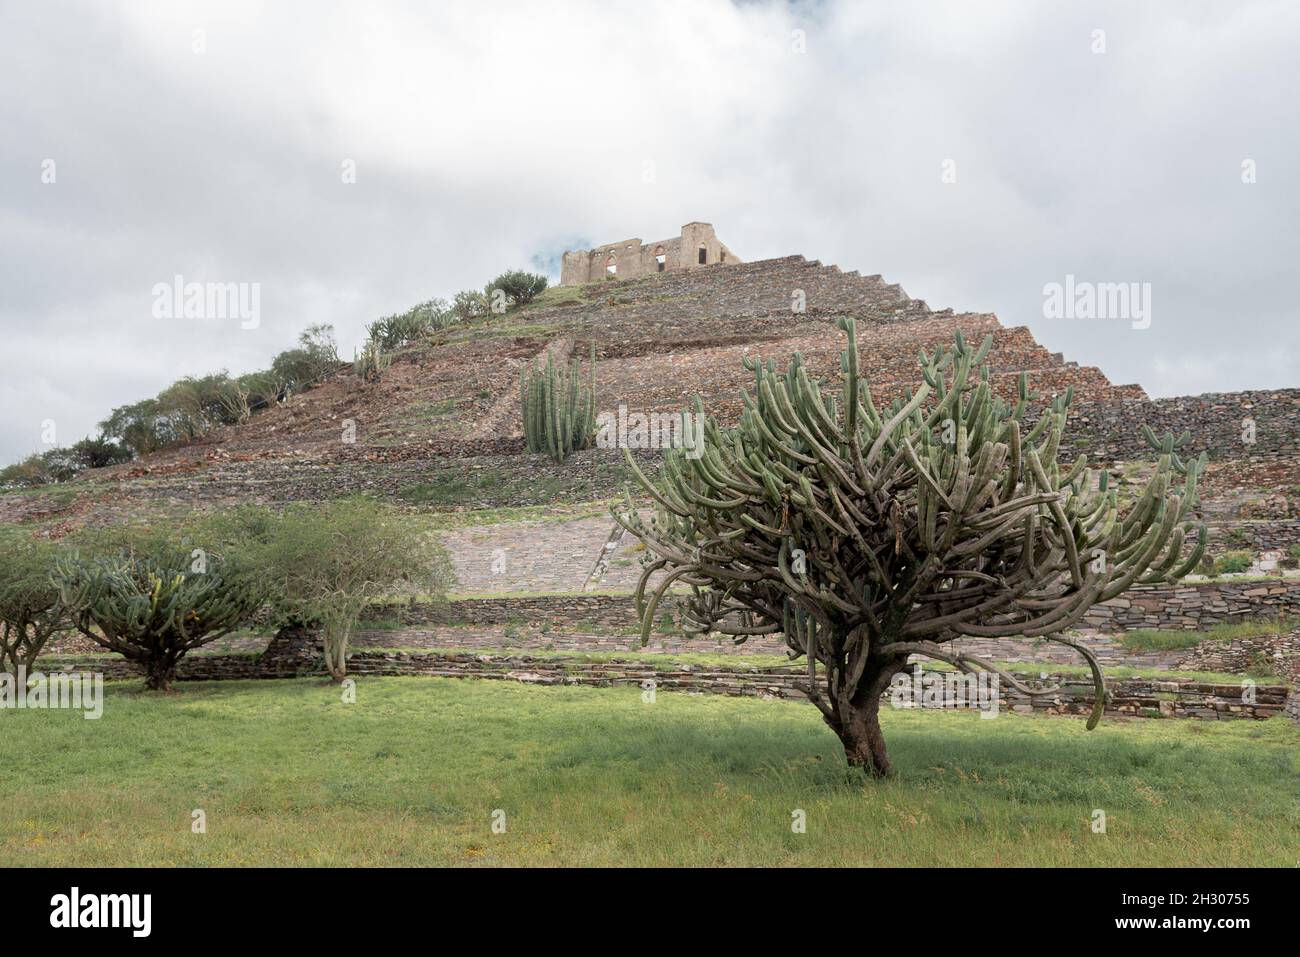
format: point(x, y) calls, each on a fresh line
point(1151, 639)
point(489, 488)
point(411, 774)
point(449, 488)
point(555, 296)
point(443, 521)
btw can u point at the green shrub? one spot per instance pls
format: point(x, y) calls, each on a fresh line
point(517, 287)
point(27, 473)
point(98, 453)
point(1236, 562)
point(31, 607)
point(470, 304)
point(141, 426)
point(324, 563)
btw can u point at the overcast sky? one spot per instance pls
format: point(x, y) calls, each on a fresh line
point(488, 135)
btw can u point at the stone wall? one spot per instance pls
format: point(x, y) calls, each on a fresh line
point(299, 655)
point(1183, 606)
point(1280, 654)
point(1255, 536)
point(1112, 429)
point(1195, 606)
point(611, 611)
point(631, 258)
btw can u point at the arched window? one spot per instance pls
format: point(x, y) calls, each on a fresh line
point(704, 254)
point(660, 258)
point(611, 266)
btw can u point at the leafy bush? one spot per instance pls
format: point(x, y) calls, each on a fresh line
point(98, 453)
point(296, 370)
point(470, 304)
point(519, 287)
point(29, 472)
point(1233, 563)
point(195, 406)
point(324, 563)
point(31, 607)
point(64, 463)
point(142, 427)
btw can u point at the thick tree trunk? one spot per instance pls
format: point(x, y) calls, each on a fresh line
point(856, 721)
point(159, 673)
point(864, 742)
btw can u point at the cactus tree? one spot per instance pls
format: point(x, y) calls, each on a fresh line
point(156, 601)
point(866, 534)
point(559, 412)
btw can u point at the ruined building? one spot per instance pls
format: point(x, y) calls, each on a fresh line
point(697, 246)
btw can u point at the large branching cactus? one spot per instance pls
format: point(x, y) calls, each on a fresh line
point(866, 534)
point(559, 411)
point(155, 603)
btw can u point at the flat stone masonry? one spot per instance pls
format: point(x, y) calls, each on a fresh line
point(1279, 654)
point(1197, 605)
point(1181, 606)
point(299, 655)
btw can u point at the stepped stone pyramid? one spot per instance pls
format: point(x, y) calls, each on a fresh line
point(532, 541)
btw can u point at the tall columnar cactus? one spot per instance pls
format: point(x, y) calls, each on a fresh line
point(559, 412)
point(156, 604)
point(370, 364)
point(866, 534)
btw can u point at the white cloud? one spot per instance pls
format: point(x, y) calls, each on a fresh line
point(488, 134)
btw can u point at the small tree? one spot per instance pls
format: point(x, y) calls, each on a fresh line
point(31, 607)
point(517, 286)
point(153, 599)
point(866, 534)
point(325, 563)
point(143, 426)
point(98, 452)
point(27, 473)
point(470, 304)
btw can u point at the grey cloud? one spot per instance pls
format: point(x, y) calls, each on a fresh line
point(489, 136)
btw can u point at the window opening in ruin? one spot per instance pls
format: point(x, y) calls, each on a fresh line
point(661, 260)
point(611, 266)
point(704, 255)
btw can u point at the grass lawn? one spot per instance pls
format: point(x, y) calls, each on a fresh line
point(412, 772)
